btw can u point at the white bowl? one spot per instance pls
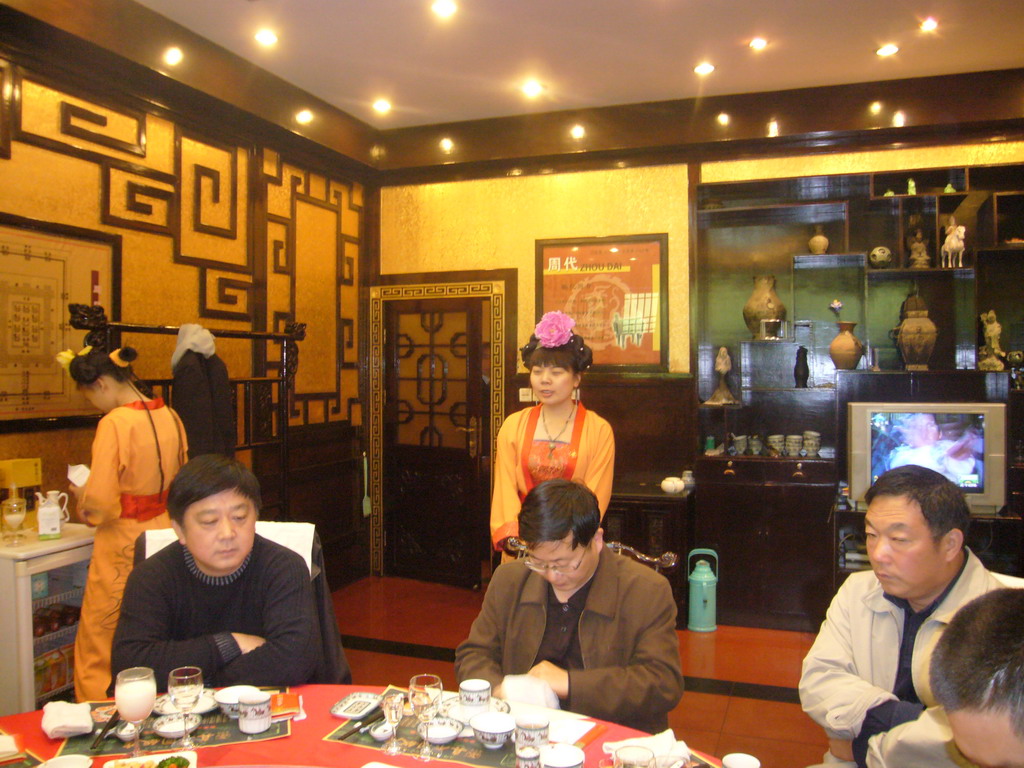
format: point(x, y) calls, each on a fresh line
point(68, 761)
point(381, 731)
point(228, 698)
point(561, 756)
point(492, 729)
point(440, 730)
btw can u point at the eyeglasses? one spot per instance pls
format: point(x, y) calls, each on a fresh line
point(558, 570)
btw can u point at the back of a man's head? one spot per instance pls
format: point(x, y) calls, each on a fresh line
point(942, 503)
point(978, 663)
point(206, 476)
point(556, 508)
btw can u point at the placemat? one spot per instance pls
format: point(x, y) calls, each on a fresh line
point(215, 729)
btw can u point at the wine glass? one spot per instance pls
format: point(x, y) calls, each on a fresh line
point(13, 511)
point(425, 695)
point(134, 695)
point(394, 707)
point(185, 686)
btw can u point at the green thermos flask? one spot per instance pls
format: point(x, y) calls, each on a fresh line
point(703, 583)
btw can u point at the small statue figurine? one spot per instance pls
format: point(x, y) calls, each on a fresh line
point(722, 395)
point(953, 247)
point(919, 258)
point(911, 186)
point(992, 330)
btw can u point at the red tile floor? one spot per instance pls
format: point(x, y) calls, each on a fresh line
point(741, 682)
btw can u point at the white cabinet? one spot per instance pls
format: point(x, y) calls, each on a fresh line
point(59, 569)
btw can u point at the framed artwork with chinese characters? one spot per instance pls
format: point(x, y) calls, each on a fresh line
point(616, 289)
point(43, 267)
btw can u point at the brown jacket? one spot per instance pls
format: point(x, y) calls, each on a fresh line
point(627, 633)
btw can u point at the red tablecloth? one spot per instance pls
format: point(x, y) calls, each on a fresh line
point(305, 747)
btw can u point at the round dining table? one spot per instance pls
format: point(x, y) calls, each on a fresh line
point(305, 746)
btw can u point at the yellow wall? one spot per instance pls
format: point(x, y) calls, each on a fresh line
point(989, 153)
point(194, 256)
point(494, 224)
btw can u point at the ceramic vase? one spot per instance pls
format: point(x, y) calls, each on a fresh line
point(764, 304)
point(801, 371)
point(916, 334)
point(846, 349)
point(818, 242)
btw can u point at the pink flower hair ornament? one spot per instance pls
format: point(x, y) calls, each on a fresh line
point(554, 329)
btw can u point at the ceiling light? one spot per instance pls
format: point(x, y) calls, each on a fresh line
point(383, 106)
point(758, 43)
point(532, 89)
point(876, 107)
point(723, 118)
point(515, 172)
point(444, 8)
point(899, 119)
point(929, 25)
point(704, 68)
point(266, 37)
point(773, 128)
point(887, 50)
point(577, 131)
point(613, 249)
point(304, 117)
point(173, 57)
point(446, 145)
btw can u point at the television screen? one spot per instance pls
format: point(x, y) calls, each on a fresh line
point(950, 443)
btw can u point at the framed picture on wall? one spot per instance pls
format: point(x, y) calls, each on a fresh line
point(616, 289)
point(44, 267)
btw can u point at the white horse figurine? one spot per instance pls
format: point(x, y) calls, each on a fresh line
point(953, 248)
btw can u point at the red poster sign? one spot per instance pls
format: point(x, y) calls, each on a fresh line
point(613, 288)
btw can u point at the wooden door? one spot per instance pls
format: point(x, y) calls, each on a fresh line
point(435, 487)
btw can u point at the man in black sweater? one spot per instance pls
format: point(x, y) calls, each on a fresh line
point(222, 597)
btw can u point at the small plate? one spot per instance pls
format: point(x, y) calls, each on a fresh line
point(154, 760)
point(206, 703)
point(356, 705)
point(170, 726)
point(453, 708)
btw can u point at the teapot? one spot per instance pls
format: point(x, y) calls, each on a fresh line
point(51, 514)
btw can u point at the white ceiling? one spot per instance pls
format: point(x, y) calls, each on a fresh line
point(592, 53)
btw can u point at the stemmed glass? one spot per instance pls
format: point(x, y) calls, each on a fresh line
point(185, 686)
point(13, 511)
point(394, 707)
point(425, 695)
point(134, 695)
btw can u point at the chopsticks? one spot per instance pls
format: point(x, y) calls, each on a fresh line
point(591, 735)
point(114, 718)
point(360, 724)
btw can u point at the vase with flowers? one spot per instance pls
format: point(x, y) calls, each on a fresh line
point(846, 349)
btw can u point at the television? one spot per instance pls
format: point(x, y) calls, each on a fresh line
point(964, 441)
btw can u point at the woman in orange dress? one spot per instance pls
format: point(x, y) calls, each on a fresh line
point(556, 438)
point(139, 447)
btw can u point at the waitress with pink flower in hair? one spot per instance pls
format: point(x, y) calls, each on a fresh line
point(558, 437)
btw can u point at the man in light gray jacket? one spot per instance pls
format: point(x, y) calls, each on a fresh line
point(867, 671)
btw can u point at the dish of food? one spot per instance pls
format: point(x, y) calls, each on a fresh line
point(185, 759)
point(206, 703)
point(356, 705)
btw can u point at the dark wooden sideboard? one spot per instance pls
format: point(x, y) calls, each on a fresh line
point(645, 517)
point(769, 520)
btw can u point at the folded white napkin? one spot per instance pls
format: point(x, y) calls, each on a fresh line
point(62, 719)
point(529, 690)
point(663, 743)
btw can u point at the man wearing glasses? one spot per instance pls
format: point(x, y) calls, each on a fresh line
point(598, 628)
